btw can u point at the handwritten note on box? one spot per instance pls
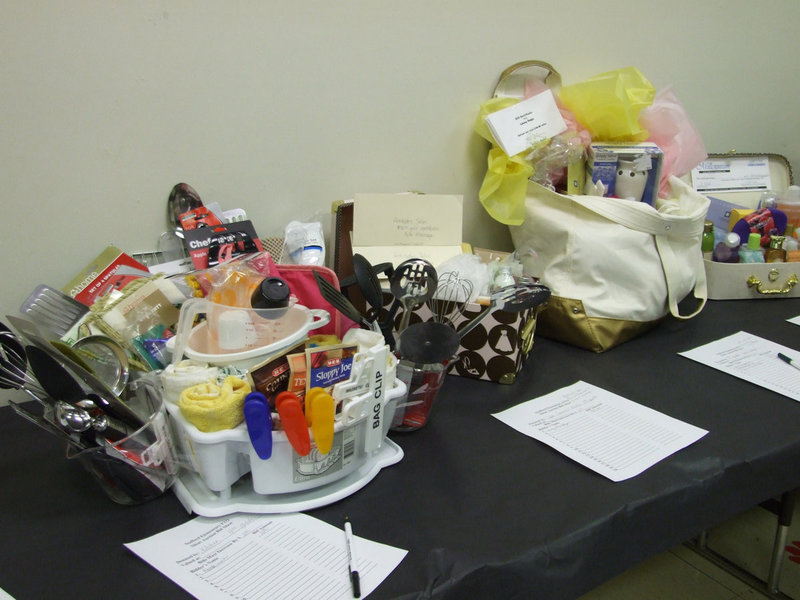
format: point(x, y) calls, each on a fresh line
point(395, 227)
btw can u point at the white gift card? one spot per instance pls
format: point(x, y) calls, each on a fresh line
point(528, 122)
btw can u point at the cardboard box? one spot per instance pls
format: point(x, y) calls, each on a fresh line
point(111, 269)
point(720, 211)
point(603, 162)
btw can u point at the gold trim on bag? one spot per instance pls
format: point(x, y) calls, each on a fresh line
point(565, 320)
point(755, 282)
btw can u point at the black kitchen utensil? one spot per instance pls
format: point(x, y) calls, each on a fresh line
point(428, 342)
point(412, 283)
point(366, 276)
point(513, 298)
point(52, 376)
point(339, 301)
point(415, 285)
point(272, 292)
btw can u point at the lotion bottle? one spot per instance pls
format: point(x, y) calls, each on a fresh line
point(728, 249)
point(752, 252)
point(708, 239)
point(775, 252)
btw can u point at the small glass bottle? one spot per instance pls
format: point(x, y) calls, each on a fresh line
point(768, 199)
point(791, 242)
point(775, 252)
point(727, 250)
point(503, 278)
point(752, 252)
point(708, 239)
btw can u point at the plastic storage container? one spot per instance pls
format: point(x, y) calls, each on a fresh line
point(223, 474)
point(143, 465)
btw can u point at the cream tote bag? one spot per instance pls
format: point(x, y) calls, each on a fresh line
point(615, 267)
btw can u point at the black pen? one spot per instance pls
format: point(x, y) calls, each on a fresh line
point(351, 558)
point(788, 361)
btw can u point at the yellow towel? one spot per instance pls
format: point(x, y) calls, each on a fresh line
point(211, 407)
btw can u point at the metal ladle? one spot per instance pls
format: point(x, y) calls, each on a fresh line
point(182, 199)
point(73, 418)
point(78, 419)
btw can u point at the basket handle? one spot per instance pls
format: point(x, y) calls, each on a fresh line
point(509, 79)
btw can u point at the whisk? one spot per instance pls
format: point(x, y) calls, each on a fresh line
point(451, 297)
point(14, 373)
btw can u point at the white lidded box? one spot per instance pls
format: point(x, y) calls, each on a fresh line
point(750, 280)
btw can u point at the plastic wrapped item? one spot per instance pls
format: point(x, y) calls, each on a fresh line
point(305, 243)
point(231, 282)
point(468, 267)
point(503, 189)
point(550, 159)
point(608, 104)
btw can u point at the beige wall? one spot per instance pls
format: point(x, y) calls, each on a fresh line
point(281, 107)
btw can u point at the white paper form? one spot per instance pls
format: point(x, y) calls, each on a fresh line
point(753, 359)
point(605, 432)
point(737, 174)
point(265, 557)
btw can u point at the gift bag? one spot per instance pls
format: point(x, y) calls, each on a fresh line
point(615, 267)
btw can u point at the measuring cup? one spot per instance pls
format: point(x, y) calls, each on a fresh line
point(423, 381)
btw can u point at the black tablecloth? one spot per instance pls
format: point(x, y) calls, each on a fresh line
point(484, 511)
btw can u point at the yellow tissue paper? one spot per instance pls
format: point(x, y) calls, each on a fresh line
point(485, 110)
point(506, 181)
point(211, 407)
point(608, 104)
point(504, 187)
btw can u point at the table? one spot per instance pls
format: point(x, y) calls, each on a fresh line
point(484, 511)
